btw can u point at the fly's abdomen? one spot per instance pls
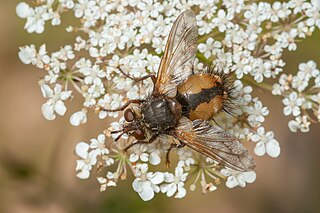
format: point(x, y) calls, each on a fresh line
point(202, 96)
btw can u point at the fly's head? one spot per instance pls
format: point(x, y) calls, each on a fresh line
point(133, 126)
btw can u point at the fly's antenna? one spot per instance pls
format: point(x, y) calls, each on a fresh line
point(122, 131)
point(109, 132)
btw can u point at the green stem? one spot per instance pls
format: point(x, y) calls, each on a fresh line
point(205, 37)
point(202, 58)
point(261, 85)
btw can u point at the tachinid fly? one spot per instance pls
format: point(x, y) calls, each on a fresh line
point(182, 103)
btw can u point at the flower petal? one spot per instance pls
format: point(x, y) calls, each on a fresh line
point(250, 177)
point(147, 193)
point(232, 182)
point(78, 118)
point(101, 138)
point(164, 187)
point(260, 149)
point(273, 149)
point(84, 174)
point(23, 10)
point(241, 180)
point(47, 92)
point(181, 191)
point(178, 171)
point(144, 157)
point(168, 177)
point(82, 150)
point(60, 108)
point(137, 185)
point(225, 172)
point(156, 178)
point(172, 188)
point(154, 158)
point(48, 111)
point(65, 95)
point(133, 157)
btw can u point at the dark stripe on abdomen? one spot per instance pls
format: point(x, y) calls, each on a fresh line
point(190, 102)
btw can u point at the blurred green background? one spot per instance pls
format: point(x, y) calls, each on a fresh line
point(37, 162)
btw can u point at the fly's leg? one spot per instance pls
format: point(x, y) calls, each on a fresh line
point(168, 164)
point(141, 142)
point(216, 122)
point(122, 107)
point(152, 76)
point(136, 80)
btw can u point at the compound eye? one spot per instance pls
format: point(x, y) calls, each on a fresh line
point(128, 115)
point(138, 134)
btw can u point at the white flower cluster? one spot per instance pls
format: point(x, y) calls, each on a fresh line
point(97, 149)
point(118, 41)
point(301, 94)
point(238, 178)
point(45, 11)
point(146, 183)
point(247, 124)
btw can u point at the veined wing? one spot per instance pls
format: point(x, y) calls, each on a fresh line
point(215, 143)
point(180, 51)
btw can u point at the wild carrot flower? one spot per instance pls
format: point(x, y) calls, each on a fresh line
point(116, 41)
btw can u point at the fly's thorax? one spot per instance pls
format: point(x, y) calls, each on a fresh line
point(160, 113)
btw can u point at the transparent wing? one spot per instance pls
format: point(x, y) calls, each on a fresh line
point(215, 143)
point(177, 62)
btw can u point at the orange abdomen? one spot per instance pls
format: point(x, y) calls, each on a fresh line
point(201, 96)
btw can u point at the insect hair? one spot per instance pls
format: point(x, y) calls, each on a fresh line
point(228, 102)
